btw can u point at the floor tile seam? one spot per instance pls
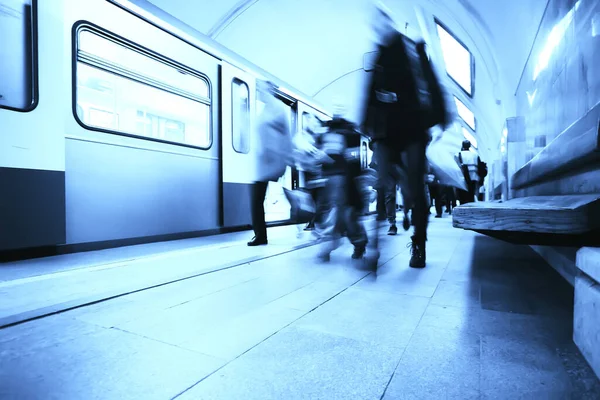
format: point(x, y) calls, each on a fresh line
point(294, 248)
point(83, 334)
point(227, 288)
point(112, 264)
point(125, 331)
point(260, 342)
point(169, 243)
point(289, 293)
point(124, 262)
point(446, 268)
point(405, 347)
point(238, 356)
point(133, 259)
point(337, 294)
point(152, 286)
point(70, 272)
point(253, 309)
point(320, 304)
point(211, 293)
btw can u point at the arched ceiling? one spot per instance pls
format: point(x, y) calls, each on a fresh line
point(318, 45)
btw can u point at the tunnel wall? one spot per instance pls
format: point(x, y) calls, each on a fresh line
point(559, 86)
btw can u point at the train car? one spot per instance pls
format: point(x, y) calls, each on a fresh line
point(122, 125)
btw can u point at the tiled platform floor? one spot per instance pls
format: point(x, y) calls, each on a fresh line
point(484, 320)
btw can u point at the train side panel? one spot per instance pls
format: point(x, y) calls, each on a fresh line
point(122, 187)
point(32, 177)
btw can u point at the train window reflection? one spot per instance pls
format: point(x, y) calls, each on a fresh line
point(465, 113)
point(123, 94)
point(458, 59)
point(240, 116)
point(17, 55)
point(132, 60)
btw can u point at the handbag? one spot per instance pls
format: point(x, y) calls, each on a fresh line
point(441, 154)
point(302, 205)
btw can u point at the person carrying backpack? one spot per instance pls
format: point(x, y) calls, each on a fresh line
point(343, 198)
point(404, 100)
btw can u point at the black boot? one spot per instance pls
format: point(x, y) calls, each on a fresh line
point(406, 223)
point(257, 241)
point(359, 251)
point(417, 253)
point(393, 230)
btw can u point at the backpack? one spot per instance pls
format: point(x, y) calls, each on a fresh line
point(405, 96)
point(431, 101)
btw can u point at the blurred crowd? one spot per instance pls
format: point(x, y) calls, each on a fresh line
point(405, 102)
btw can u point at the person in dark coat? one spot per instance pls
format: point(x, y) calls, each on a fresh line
point(404, 100)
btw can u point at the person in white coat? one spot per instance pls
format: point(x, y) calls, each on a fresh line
point(469, 162)
point(274, 155)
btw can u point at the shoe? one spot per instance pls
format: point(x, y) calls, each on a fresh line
point(310, 227)
point(438, 215)
point(417, 250)
point(257, 242)
point(324, 257)
point(393, 230)
point(406, 223)
point(359, 252)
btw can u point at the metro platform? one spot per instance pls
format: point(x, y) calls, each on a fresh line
point(211, 318)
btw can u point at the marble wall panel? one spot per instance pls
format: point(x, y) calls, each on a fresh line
point(567, 86)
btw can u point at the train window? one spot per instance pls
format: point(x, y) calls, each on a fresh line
point(18, 85)
point(460, 64)
point(465, 113)
point(240, 116)
point(126, 90)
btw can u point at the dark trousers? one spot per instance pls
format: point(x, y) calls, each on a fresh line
point(437, 196)
point(465, 196)
point(340, 215)
point(450, 197)
point(257, 203)
point(413, 157)
point(381, 202)
point(317, 196)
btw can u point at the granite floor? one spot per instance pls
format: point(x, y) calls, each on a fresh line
point(484, 320)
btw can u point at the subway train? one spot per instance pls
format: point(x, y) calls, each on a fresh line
point(122, 125)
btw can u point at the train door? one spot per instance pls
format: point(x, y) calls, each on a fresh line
point(308, 120)
point(277, 208)
point(238, 97)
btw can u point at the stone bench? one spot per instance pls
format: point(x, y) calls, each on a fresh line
point(569, 220)
point(586, 317)
point(557, 194)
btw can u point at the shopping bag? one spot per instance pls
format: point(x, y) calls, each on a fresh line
point(302, 204)
point(441, 154)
